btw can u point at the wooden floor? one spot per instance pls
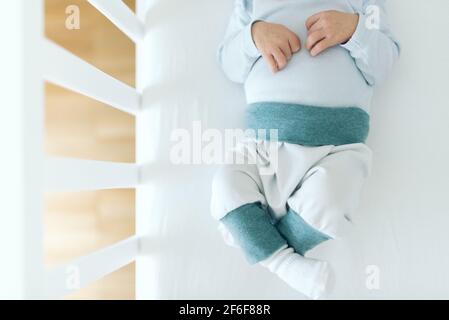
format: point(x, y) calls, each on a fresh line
point(76, 126)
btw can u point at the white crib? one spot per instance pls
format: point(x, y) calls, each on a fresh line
point(178, 252)
point(29, 173)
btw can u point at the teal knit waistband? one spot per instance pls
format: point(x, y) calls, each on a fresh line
point(309, 125)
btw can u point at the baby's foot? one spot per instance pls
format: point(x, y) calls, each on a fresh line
point(308, 276)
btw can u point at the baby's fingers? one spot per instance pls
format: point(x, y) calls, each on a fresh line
point(269, 59)
point(280, 58)
point(320, 47)
point(287, 50)
point(295, 42)
point(314, 38)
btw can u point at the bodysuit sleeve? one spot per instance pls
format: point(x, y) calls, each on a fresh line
point(373, 46)
point(237, 52)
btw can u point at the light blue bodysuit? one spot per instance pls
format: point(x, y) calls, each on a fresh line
point(318, 100)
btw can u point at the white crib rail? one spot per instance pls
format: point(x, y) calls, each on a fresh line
point(21, 131)
point(29, 174)
point(67, 70)
point(84, 270)
point(66, 174)
point(121, 16)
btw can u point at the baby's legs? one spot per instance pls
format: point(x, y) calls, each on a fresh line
point(239, 202)
point(329, 194)
point(237, 194)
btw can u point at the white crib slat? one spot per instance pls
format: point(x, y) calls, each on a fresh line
point(120, 15)
point(67, 70)
point(65, 174)
point(21, 139)
point(85, 270)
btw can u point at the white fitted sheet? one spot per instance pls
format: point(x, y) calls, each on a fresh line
point(404, 215)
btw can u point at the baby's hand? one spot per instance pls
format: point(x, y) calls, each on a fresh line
point(329, 28)
point(276, 43)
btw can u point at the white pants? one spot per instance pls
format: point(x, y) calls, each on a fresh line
point(321, 184)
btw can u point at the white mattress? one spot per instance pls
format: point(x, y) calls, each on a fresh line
point(403, 220)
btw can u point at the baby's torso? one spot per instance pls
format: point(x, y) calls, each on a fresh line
point(329, 79)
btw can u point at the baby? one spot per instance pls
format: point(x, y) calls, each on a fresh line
point(309, 68)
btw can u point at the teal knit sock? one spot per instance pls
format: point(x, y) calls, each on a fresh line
point(299, 234)
point(251, 227)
